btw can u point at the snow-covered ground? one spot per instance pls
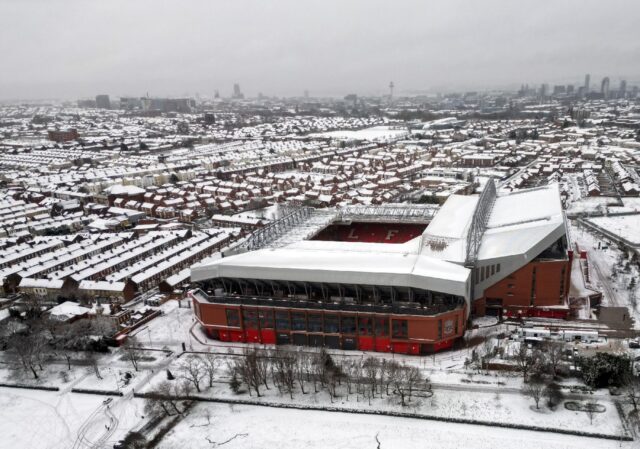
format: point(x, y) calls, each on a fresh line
point(376, 133)
point(484, 398)
point(251, 427)
point(591, 204)
point(606, 272)
point(52, 420)
point(625, 226)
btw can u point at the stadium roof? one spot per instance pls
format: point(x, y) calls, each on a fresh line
point(347, 263)
point(520, 226)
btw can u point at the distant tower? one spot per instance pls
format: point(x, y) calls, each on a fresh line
point(103, 102)
point(623, 89)
point(544, 90)
point(306, 94)
point(587, 81)
point(237, 93)
point(391, 86)
point(604, 87)
point(216, 94)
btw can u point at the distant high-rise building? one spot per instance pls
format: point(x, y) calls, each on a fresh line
point(391, 86)
point(623, 89)
point(559, 89)
point(587, 81)
point(130, 103)
point(103, 102)
point(168, 104)
point(570, 89)
point(87, 103)
point(306, 94)
point(634, 92)
point(216, 94)
point(237, 93)
point(544, 90)
point(604, 87)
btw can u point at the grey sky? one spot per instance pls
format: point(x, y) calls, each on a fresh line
point(71, 49)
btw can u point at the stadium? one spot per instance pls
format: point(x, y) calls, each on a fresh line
point(394, 278)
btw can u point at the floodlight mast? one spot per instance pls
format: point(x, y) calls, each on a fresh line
point(478, 226)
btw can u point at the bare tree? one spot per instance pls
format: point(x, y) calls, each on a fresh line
point(25, 347)
point(322, 363)
point(400, 384)
point(591, 409)
point(413, 379)
point(332, 379)
point(247, 369)
point(553, 351)
point(534, 389)
point(132, 352)
point(92, 359)
point(284, 366)
point(193, 371)
point(263, 365)
point(349, 370)
point(301, 369)
point(165, 399)
point(525, 360)
point(632, 388)
point(211, 364)
point(371, 367)
point(392, 368)
point(553, 394)
point(68, 338)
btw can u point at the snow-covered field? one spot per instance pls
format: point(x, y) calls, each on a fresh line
point(625, 226)
point(251, 427)
point(376, 133)
point(591, 204)
point(51, 420)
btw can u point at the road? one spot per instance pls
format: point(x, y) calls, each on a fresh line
point(604, 280)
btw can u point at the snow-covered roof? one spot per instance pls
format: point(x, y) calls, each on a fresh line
point(68, 310)
point(118, 189)
point(348, 263)
point(520, 226)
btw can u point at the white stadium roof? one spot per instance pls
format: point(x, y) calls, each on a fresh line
point(520, 226)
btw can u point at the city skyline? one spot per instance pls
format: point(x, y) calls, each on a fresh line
point(357, 47)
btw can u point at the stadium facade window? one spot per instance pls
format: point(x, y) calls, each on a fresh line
point(314, 322)
point(493, 270)
point(348, 324)
point(282, 320)
point(365, 325)
point(298, 321)
point(399, 329)
point(250, 318)
point(331, 323)
point(382, 326)
point(497, 268)
point(266, 318)
point(233, 317)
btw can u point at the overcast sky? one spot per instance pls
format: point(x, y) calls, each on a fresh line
point(72, 49)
